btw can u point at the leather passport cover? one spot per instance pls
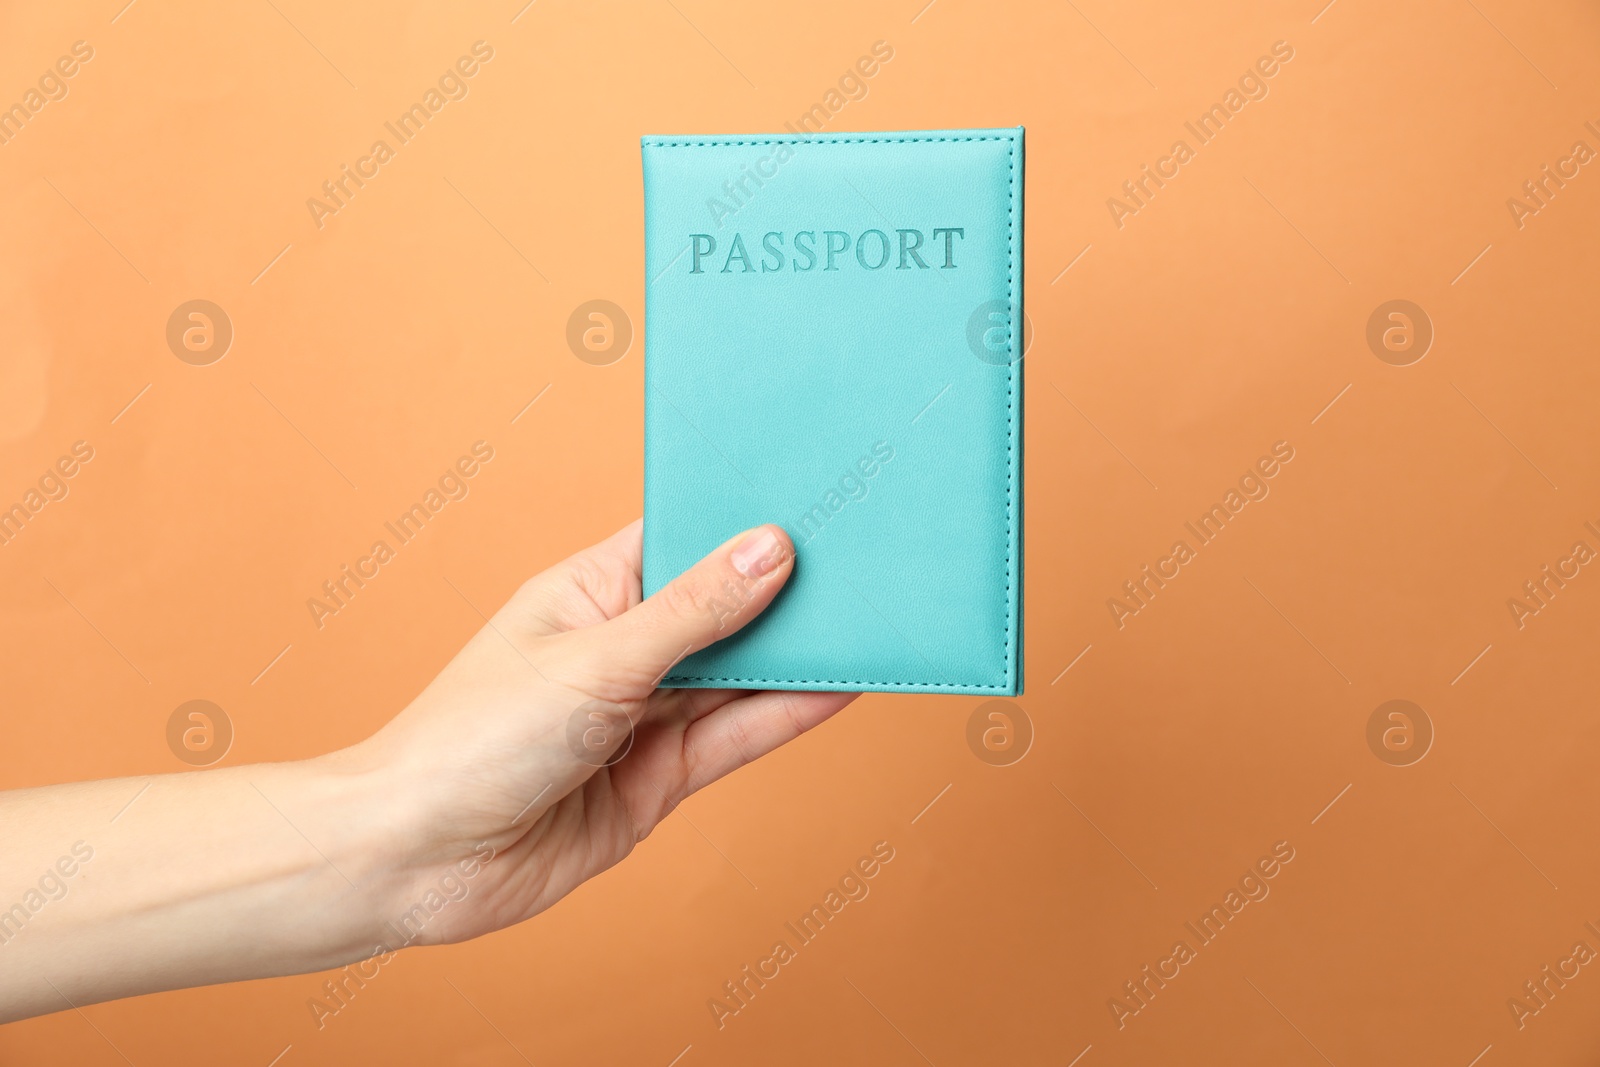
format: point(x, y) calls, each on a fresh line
point(833, 344)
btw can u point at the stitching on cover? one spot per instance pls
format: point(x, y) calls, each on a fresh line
point(818, 140)
point(1011, 390)
point(1011, 385)
point(825, 681)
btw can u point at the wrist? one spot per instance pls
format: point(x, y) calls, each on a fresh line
point(401, 837)
point(368, 838)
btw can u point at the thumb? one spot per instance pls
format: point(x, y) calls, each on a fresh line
point(711, 600)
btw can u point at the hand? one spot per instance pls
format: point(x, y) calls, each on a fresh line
point(508, 803)
point(483, 803)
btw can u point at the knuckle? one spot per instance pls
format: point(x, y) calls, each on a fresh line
point(597, 580)
point(741, 741)
point(689, 598)
point(789, 707)
point(588, 575)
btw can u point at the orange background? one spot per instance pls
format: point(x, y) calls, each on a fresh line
point(1223, 317)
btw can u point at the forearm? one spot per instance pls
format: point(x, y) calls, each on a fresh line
point(539, 757)
point(129, 886)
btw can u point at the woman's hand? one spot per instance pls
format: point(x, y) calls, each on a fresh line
point(502, 761)
point(484, 802)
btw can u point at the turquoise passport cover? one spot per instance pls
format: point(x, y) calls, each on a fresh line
point(833, 343)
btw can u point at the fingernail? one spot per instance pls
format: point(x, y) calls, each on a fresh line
point(756, 554)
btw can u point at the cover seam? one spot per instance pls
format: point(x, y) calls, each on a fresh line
point(827, 681)
point(817, 140)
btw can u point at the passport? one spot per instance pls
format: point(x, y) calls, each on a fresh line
point(833, 342)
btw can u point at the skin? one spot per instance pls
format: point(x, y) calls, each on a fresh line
point(480, 805)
